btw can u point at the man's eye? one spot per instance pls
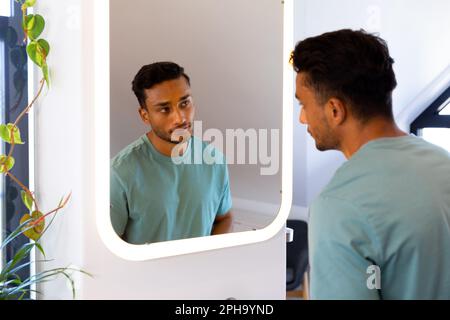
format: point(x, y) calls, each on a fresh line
point(164, 110)
point(184, 103)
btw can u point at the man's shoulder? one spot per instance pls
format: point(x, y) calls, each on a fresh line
point(382, 161)
point(128, 155)
point(387, 170)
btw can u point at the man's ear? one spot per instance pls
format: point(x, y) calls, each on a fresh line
point(336, 111)
point(143, 112)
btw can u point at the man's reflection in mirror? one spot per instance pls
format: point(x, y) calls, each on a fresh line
point(157, 192)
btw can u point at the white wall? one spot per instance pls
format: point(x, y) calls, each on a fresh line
point(233, 52)
point(64, 149)
point(417, 36)
point(64, 163)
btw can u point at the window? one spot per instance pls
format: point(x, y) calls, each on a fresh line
point(13, 99)
point(445, 111)
point(5, 8)
point(2, 151)
point(434, 123)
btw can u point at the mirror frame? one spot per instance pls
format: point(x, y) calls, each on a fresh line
point(165, 249)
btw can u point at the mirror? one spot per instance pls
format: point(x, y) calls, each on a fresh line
point(234, 55)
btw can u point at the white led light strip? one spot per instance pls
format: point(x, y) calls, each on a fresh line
point(102, 154)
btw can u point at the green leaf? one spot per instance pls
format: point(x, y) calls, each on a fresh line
point(38, 26)
point(30, 3)
point(32, 53)
point(14, 234)
point(40, 226)
point(16, 133)
point(28, 22)
point(18, 256)
point(35, 232)
point(38, 51)
point(27, 199)
point(44, 47)
point(5, 133)
point(40, 248)
point(8, 161)
point(22, 296)
point(27, 230)
point(46, 73)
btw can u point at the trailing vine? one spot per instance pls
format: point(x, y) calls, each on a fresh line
point(37, 50)
point(33, 223)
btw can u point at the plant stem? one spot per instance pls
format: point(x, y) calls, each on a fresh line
point(23, 187)
point(49, 213)
point(19, 118)
point(25, 111)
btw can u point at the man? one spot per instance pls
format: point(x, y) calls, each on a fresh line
point(381, 228)
point(154, 195)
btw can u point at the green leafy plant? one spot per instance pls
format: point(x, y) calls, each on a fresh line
point(33, 223)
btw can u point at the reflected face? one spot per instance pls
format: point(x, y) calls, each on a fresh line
point(313, 115)
point(169, 109)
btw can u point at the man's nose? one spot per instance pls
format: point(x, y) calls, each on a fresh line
point(178, 116)
point(302, 117)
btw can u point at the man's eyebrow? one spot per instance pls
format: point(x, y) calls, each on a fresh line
point(167, 103)
point(185, 97)
point(162, 104)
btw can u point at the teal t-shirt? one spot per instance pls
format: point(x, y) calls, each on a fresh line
point(388, 206)
point(156, 199)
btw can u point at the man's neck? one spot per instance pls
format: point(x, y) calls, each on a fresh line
point(360, 134)
point(162, 146)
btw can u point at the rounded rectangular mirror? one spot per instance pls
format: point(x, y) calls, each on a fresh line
point(240, 91)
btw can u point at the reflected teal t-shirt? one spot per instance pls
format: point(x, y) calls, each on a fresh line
point(387, 206)
point(154, 199)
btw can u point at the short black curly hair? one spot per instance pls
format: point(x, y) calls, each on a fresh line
point(353, 66)
point(153, 74)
